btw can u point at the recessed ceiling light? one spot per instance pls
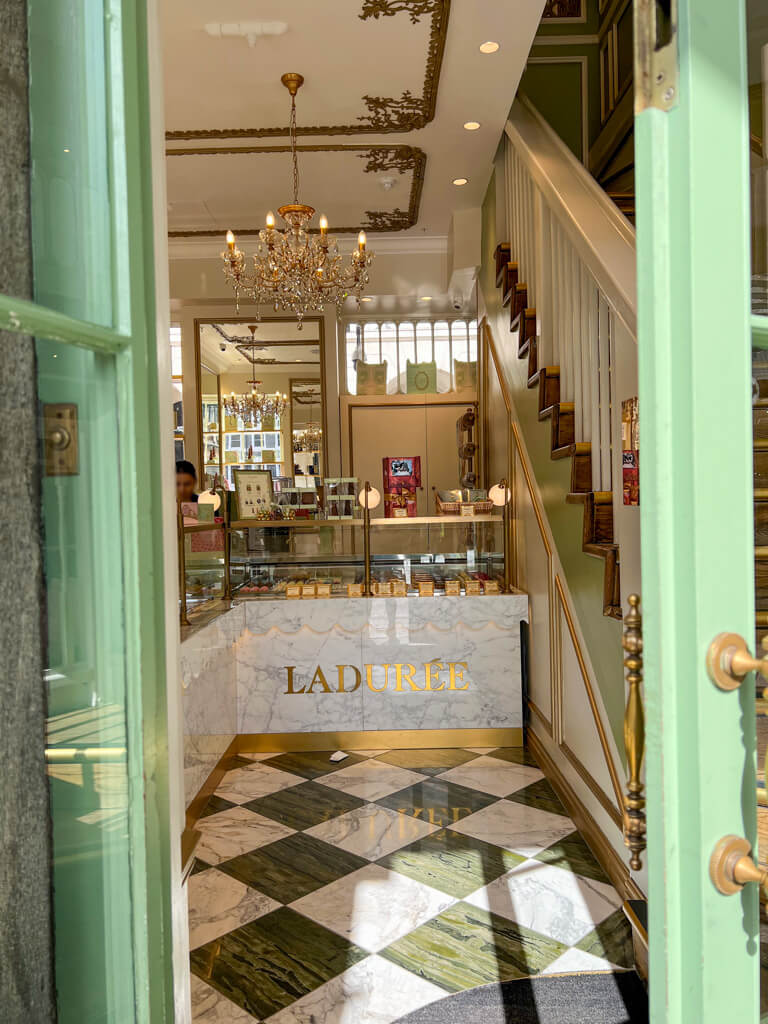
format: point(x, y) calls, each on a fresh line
point(366, 298)
point(471, 126)
point(460, 181)
point(489, 47)
point(426, 298)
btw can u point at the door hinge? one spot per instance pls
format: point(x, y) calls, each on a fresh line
point(60, 438)
point(657, 61)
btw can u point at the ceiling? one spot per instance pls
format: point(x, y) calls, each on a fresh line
point(219, 353)
point(389, 85)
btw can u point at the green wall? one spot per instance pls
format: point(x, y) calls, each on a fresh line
point(583, 573)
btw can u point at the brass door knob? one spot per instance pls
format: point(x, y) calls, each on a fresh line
point(729, 660)
point(731, 866)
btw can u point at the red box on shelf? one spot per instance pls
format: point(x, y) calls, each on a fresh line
point(402, 476)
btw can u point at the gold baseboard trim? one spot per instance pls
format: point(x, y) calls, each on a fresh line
point(393, 739)
point(210, 785)
point(607, 857)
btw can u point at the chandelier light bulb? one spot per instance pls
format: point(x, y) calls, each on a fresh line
point(230, 241)
point(270, 220)
point(361, 240)
point(323, 225)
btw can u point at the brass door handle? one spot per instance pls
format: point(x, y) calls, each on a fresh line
point(731, 866)
point(729, 661)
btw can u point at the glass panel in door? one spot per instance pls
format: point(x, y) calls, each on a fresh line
point(88, 744)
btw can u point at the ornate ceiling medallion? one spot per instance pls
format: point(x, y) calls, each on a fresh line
point(385, 114)
point(293, 271)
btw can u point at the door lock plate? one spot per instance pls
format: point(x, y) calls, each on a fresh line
point(61, 441)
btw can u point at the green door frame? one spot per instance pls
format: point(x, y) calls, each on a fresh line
point(131, 340)
point(692, 176)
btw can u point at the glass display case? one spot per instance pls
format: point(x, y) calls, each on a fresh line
point(427, 557)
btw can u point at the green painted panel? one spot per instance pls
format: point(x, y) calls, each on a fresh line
point(584, 574)
point(555, 90)
point(696, 518)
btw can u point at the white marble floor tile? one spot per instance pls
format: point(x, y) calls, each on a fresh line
point(491, 775)
point(210, 1007)
point(373, 907)
point(548, 900)
point(374, 991)
point(218, 904)
point(576, 961)
point(371, 831)
point(261, 755)
point(371, 780)
point(480, 750)
point(524, 830)
point(230, 833)
point(370, 753)
point(254, 780)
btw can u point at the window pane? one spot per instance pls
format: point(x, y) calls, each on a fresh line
point(460, 340)
point(371, 343)
point(424, 342)
point(175, 340)
point(407, 349)
point(70, 158)
point(473, 340)
point(352, 341)
point(389, 354)
point(442, 335)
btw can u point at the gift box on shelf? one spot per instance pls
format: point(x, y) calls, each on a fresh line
point(401, 477)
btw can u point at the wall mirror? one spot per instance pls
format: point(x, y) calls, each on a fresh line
point(261, 391)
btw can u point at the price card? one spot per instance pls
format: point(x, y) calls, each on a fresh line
point(470, 559)
point(407, 571)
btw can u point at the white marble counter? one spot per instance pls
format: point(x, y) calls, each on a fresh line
point(351, 664)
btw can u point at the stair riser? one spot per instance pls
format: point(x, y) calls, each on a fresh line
point(761, 523)
point(761, 469)
point(581, 474)
point(563, 431)
point(760, 424)
point(549, 391)
point(761, 586)
point(602, 524)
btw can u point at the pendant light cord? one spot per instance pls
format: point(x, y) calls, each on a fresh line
point(293, 152)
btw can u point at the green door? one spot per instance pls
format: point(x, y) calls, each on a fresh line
point(695, 342)
point(93, 320)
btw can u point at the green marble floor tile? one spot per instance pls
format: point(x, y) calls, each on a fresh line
point(573, 854)
point(428, 762)
point(292, 867)
point(611, 940)
point(216, 804)
point(515, 755)
point(305, 805)
point(539, 794)
point(464, 947)
point(437, 801)
point(311, 764)
point(268, 964)
point(451, 862)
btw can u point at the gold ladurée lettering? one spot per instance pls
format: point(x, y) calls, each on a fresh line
point(289, 669)
point(319, 677)
point(405, 681)
point(456, 669)
point(358, 677)
point(401, 674)
point(432, 675)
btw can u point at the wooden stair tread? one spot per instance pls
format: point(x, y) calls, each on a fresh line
point(576, 448)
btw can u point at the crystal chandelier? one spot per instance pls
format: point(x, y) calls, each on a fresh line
point(254, 407)
point(296, 272)
point(309, 438)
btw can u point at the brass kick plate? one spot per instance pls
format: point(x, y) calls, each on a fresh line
point(60, 437)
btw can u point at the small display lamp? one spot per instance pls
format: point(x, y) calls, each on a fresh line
point(369, 498)
point(501, 496)
point(210, 498)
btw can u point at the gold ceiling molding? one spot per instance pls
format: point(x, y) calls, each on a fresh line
point(378, 158)
point(557, 9)
point(385, 114)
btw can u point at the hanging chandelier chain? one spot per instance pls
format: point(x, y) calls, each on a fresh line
point(293, 151)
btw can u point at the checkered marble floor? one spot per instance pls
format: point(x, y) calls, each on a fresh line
point(356, 892)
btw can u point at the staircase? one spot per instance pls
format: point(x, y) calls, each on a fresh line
point(597, 532)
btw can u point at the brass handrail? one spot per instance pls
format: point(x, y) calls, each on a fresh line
point(634, 734)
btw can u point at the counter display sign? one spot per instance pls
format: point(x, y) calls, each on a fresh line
point(402, 476)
